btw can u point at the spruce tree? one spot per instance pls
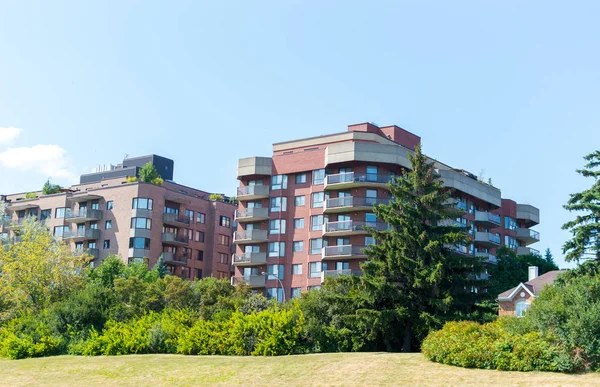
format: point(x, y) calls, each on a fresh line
point(585, 228)
point(548, 257)
point(160, 267)
point(416, 280)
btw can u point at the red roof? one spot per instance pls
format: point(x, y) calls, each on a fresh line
point(536, 284)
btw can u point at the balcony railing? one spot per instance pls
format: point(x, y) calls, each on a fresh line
point(249, 259)
point(83, 215)
point(253, 192)
point(250, 236)
point(254, 213)
point(174, 259)
point(343, 251)
point(81, 233)
point(353, 226)
point(489, 219)
point(338, 273)
point(176, 219)
point(528, 236)
point(169, 237)
point(255, 281)
point(354, 201)
point(353, 177)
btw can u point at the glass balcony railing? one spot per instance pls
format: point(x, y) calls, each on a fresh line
point(354, 177)
point(343, 251)
point(353, 225)
point(354, 201)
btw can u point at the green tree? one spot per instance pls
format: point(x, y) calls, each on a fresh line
point(160, 267)
point(415, 279)
point(585, 228)
point(149, 174)
point(549, 258)
point(49, 188)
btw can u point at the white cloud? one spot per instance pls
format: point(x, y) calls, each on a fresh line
point(48, 160)
point(7, 135)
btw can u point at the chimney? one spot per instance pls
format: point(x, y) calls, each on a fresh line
point(533, 272)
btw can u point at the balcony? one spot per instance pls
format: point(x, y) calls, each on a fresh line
point(254, 281)
point(253, 192)
point(353, 180)
point(250, 259)
point(343, 252)
point(351, 203)
point(527, 251)
point(25, 204)
point(487, 219)
point(338, 273)
point(174, 259)
point(83, 197)
point(487, 239)
point(452, 222)
point(81, 234)
point(83, 215)
point(15, 225)
point(249, 215)
point(95, 253)
point(176, 220)
point(488, 258)
point(528, 236)
point(170, 238)
point(458, 249)
point(350, 227)
point(461, 206)
point(529, 214)
point(249, 236)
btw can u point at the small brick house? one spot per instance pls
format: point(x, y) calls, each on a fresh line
point(515, 301)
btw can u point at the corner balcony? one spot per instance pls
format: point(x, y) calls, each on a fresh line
point(170, 238)
point(349, 180)
point(487, 257)
point(249, 215)
point(458, 249)
point(25, 204)
point(487, 219)
point(350, 227)
point(176, 220)
point(527, 251)
point(83, 215)
point(174, 259)
point(487, 239)
point(529, 214)
point(351, 203)
point(249, 236)
point(249, 259)
point(338, 273)
point(254, 281)
point(528, 236)
point(81, 234)
point(253, 192)
point(343, 252)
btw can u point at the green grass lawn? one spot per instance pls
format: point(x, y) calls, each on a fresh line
point(349, 369)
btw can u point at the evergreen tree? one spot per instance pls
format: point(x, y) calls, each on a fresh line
point(160, 267)
point(415, 278)
point(585, 228)
point(548, 257)
point(49, 188)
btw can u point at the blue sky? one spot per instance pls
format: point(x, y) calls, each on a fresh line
point(508, 88)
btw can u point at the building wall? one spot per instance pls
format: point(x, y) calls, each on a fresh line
point(508, 308)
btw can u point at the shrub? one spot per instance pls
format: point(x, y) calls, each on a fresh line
point(28, 337)
point(499, 345)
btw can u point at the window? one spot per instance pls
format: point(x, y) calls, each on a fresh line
point(225, 221)
point(95, 204)
point(317, 199)
point(369, 240)
point(371, 173)
point(223, 240)
point(45, 214)
point(276, 249)
point(141, 223)
point(296, 292)
point(278, 204)
point(298, 246)
point(200, 236)
point(171, 210)
point(94, 225)
point(276, 293)
point(318, 176)
point(316, 222)
point(521, 307)
point(139, 243)
point(200, 218)
point(109, 205)
point(223, 258)
point(60, 212)
point(189, 233)
point(314, 269)
point(60, 230)
point(277, 226)
point(107, 244)
point(299, 223)
point(510, 242)
point(301, 178)
point(299, 201)
point(143, 203)
point(108, 225)
point(200, 255)
point(510, 223)
point(316, 245)
point(190, 215)
point(199, 273)
point(275, 271)
point(279, 182)
point(296, 269)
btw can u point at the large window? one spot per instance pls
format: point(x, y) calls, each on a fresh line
point(296, 292)
point(139, 243)
point(301, 178)
point(296, 269)
point(60, 212)
point(298, 246)
point(277, 226)
point(200, 255)
point(299, 201)
point(510, 242)
point(314, 269)
point(316, 222)
point(299, 223)
point(225, 221)
point(278, 204)
point(95, 204)
point(200, 218)
point(60, 230)
point(318, 176)
point(109, 205)
point(316, 245)
point(223, 258)
point(317, 199)
point(143, 203)
point(199, 236)
point(510, 223)
point(521, 307)
point(190, 215)
point(276, 293)
point(275, 272)
point(279, 182)
point(108, 224)
point(45, 214)
point(223, 240)
point(144, 223)
point(276, 249)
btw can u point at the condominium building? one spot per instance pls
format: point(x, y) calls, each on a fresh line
point(302, 212)
point(105, 214)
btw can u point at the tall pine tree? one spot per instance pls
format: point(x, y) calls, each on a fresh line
point(585, 228)
point(415, 278)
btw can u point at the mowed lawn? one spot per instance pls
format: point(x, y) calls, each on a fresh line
point(349, 369)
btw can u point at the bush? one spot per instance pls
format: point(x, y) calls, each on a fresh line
point(501, 345)
point(28, 337)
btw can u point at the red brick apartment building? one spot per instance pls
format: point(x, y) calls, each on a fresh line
point(302, 212)
point(106, 215)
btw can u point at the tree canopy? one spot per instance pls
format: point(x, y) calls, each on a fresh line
point(149, 174)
